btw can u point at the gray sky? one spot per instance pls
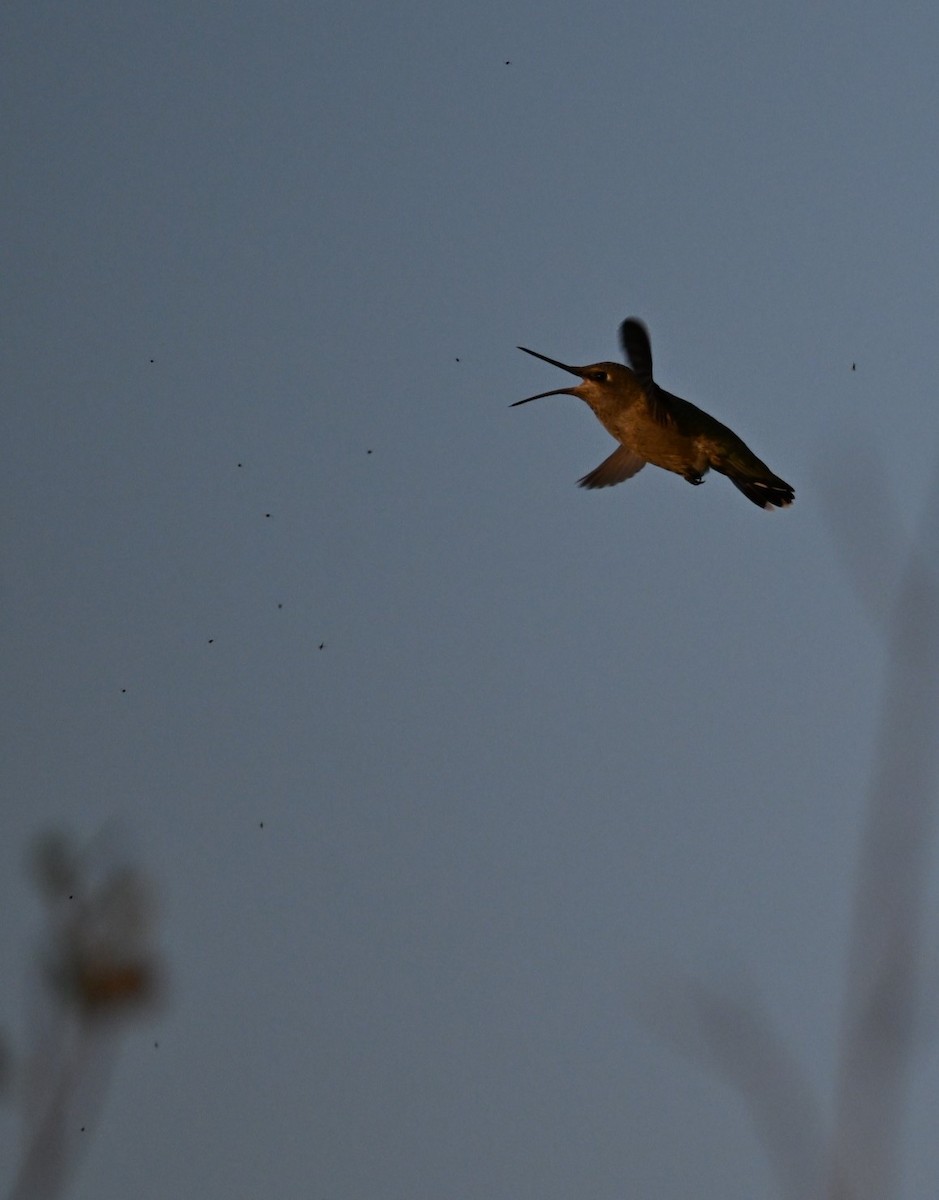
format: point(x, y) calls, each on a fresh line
point(519, 750)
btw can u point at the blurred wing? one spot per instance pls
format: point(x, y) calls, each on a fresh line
point(622, 464)
point(634, 338)
point(638, 350)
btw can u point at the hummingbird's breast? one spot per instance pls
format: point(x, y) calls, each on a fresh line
point(617, 404)
point(669, 446)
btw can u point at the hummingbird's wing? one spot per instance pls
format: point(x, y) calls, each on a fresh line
point(634, 338)
point(622, 464)
point(637, 347)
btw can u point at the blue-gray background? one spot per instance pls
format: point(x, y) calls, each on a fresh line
point(508, 750)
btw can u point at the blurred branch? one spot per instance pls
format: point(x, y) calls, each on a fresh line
point(736, 1038)
point(884, 982)
point(99, 968)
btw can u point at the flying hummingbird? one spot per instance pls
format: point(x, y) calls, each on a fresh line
point(652, 425)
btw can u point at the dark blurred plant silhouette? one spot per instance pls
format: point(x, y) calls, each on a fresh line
point(884, 985)
point(855, 1155)
point(98, 969)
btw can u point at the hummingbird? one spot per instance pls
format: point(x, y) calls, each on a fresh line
point(652, 425)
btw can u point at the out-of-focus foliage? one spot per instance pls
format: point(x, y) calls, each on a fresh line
point(98, 965)
point(854, 1155)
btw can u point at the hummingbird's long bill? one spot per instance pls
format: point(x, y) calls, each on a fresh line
point(554, 363)
point(578, 371)
point(541, 396)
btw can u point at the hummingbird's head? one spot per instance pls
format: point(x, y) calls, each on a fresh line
point(600, 381)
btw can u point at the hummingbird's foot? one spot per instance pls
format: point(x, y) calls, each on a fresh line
point(693, 477)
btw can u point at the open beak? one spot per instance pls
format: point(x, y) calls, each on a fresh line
point(554, 363)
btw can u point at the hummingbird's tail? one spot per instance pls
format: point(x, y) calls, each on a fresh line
point(761, 486)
